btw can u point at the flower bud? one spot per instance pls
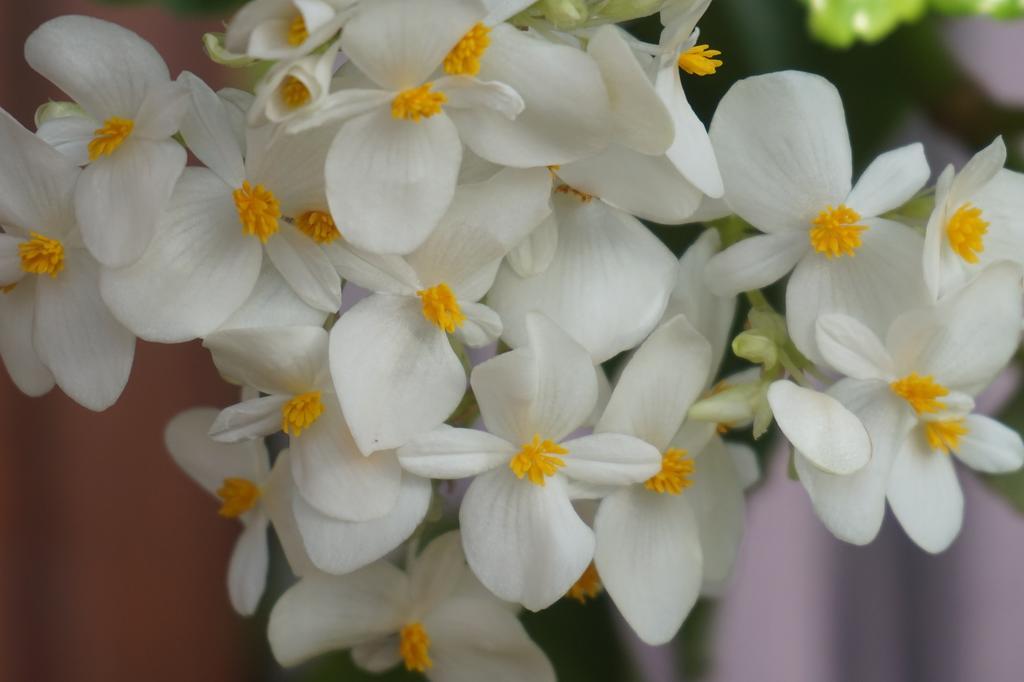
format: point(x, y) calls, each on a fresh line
point(565, 13)
point(733, 406)
point(213, 43)
point(616, 11)
point(757, 347)
point(52, 110)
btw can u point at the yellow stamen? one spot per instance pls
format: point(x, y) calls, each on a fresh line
point(674, 477)
point(239, 495)
point(965, 231)
point(536, 461)
point(579, 195)
point(587, 587)
point(414, 646)
point(41, 255)
point(441, 307)
point(921, 392)
point(258, 209)
point(300, 412)
point(297, 31)
point(294, 92)
point(318, 226)
point(464, 58)
point(112, 135)
point(945, 436)
point(836, 232)
point(416, 103)
point(699, 60)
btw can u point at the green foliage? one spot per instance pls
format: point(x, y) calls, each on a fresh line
point(220, 7)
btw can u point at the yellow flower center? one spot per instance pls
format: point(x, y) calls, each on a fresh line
point(297, 31)
point(41, 255)
point(318, 226)
point(587, 587)
point(700, 60)
point(239, 495)
point(836, 232)
point(965, 231)
point(294, 92)
point(258, 209)
point(945, 435)
point(674, 477)
point(464, 58)
point(441, 308)
point(921, 392)
point(300, 412)
point(536, 460)
point(414, 645)
point(112, 135)
point(416, 103)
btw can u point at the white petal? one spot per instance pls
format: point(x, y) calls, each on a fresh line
point(691, 151)
point(292, 166)
point(783, 149)
point(119, 199)
point(890, 181)
point(88, 351)
point(524, 542)
point(388, 274)
point(70, 135)
point(17, 314)
point(755, 263)
point(334, 478)
point(399, 44)
point(481, 326)
point(663, 378)
point(567, 113)
point(273, 303)
point(716, 498)
point(390, 180)
point(256, 418)
point(534, 254)
point(437, 572)
point(610, 459)
point(208, 462)
point(607, 285)
point(306, 268)
point(322, 613)
point(745, 460)
point(162, 111)
point(280, 360)
point(340, 547)
point(925, 495)
point(978, 172)
point(278, 492)
point(396, 372)
point(209, 132)
point(105, 68)
point(378, 655)
point(341, 106)
point(474, 640)
point(820, 427)
point(465, 92)
point(199, 269)
point(990, 446)
point(852, 349)
point(247, 570)
point(649, 559)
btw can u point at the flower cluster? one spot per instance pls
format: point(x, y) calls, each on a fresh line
point(475, 174)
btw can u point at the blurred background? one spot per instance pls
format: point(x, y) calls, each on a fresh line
point(112, 563)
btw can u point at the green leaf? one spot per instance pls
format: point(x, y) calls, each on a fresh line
point(221, 7)
point(1000, 9)
point(841, 23)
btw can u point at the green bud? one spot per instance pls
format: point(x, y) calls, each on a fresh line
point(52, 110)
point(733, 406)
point(769, 323)
point(757, 347)
point(566, 14)
point(762, 415)
point(615, 11)
point(213, 43)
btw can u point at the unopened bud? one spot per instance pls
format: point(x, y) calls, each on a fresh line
point(615, 11)
point(733, 406)
point(52, 110)
point(213, 43)
point(757, 347)
point(565, 13)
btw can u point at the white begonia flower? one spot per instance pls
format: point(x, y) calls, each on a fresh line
point(784, 152)
point(522, 536)
point(914, 395)
point(430, 618)
point(263, 192)
point(607, 283)
point(654, 538)
point(273, 303)
point(976, 221)
point(239, 475)
point(397, 373)
point(283, 30)
point(131, 111)
point(54, 327)
point(634, 173)
point(392, 170)
point(293, 88)
point(289, 365)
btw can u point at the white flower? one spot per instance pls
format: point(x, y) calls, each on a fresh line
point(522, 536)
point(432, 618)
point(784, 152)
point(293, 88)
point(262, 193)
point(239, 475)
point(976, 221)
point(54, 327)
point(392, 170)
point(914, 395)
point(131, 110)
point(285, 29)
point(396, 371)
